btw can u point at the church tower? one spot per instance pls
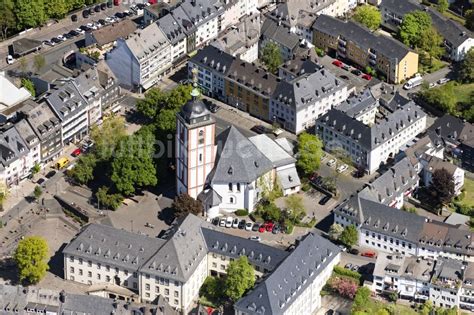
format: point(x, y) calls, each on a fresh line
point(195, 146)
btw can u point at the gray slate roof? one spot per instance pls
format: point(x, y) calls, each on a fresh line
point(201, 11)
point(27, 133)
point(448, 128)
point(145, 41)
point(180, 255)
point(212, 58)
point(298, 12)
point(276, 293)
point(238, 160)
point(66, 100)
point(272, 150)
point(358, 104)
point(12, 146)
point(109, 245)
point(172, 29)
point(361, 36)
point(279, 34)
point(373, 136)
point(41, 118)
point(307, 89)
point(253, 77)
point(261, 255)
point(300, 65)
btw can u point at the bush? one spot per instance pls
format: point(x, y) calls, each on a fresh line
point(343, 286)
point(212, 288)
point(289, 227)
point(346, 272)
point(320, 52)
point(241, 212)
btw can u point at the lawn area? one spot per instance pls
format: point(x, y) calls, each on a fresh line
point(454, 17)
point(424, 66)
point(463, 92)
point(468, 199)
point(373, 306)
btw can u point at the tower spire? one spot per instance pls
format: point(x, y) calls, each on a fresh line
point(195, 92)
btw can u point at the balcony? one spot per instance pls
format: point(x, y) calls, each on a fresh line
point(372, 62)
point(342, 42)
point(372, 55)
point(343, 49)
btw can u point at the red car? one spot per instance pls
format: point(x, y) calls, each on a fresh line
point(369, 254)
point(338, 63)
point(269, 226)
point(261, 229)
point(76, 152)
point(367, 77)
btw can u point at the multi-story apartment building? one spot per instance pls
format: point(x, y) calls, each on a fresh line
point(355, 43)
point(241, 40)
point(391, 230)
point(371, 145)
point(250, 88)
point(176, 36)
point(71, 107)
point(445, 282)
point(141, 60)
point(297, 103)
point(293, 68)
point(176, 267)
point(432, 163)
point(33, 144)
point(14, 159)
point(46, 126)
point(211, 66)
point(457, 38)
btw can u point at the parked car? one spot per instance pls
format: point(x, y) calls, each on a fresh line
point(214, 108)
point(119, 15)
point(109, 20)
point(369, 254)
point(346, 67)
point(97, 8)
point(276, 229)
point(255, 238)
point(259, 129)
point(235, 223)
point(76, 152)
point(443, 81)
point(61, 38)
point(324, 200)
point(74, 18)
point(356, 72)
point(343, 248)
point(67, 36)
point(261, 229)
point(80, 30)
point(248, 226)
point(355, 268)
point(337, 63)
point(91, 26)
point(348, 266)
point(10, 59)
point(255, 226)
point(74, 33)
point(49, 43)
point(103, 6)
point(331, 162)
point(342, 168)
point(215, 221)
point(56, 40)
point(367, 77)
point(85, 14)
point(222, 222)
point(242, 224)
point(141, 6)
point(102, 22)
point(354, 251)
point(344, 77)
point(40, 181)
point(50, 174)
point(228, 222)
point(269, 226)
point(85, 28)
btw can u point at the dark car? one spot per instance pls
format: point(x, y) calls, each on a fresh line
point(110, 4)
point(354, 251)
point(214, 108)
point(56, 40)
point(119, 15)
point(102, 21)
point(74, 18)
point(103, 6)
point(68, 36)
point(97, 8)
point(356, 72)
point(215, 221)
point(276, 229)
point(324, 200)
point(259, 129)
point(241, 225)
point(141, 6)
point(255, 227)
point(85, 28)
point(344, 77)
point(40, 181)
point(74, 33)
point(50, 174)
point(85, 14)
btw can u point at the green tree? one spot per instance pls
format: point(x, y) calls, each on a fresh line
point(442, 6)
point(133, 165)
point(151, 104)
point(295, 206)
point(413, 26)
point(178, 96)
point(8, 19)
point(349, 236)
point(107, 136)
point(23, 64)
point(361, 299)
point(240, 278)
point(75, 4)
point(309, 152)
point(393, 297)
point(369, 16)
point(335, 231)
point(28, 84)
point(83, 171)
point(432, 43)
point(37, 192)
point(31, 257)
point(167, 120)
point(271, 56)
point(426, 308)
point(30, 13)
point(106, 200)
point(3, 195)
point(270, 212)
point(35, 169)
point(442, 185)
point(469, 16)
point(56, 8)
point(212, 288)
point(184, 204)
point(443, 97)
point(39, 62)
point(466, 72)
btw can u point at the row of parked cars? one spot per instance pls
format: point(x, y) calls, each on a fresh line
point(354, 71)
point(242, 224)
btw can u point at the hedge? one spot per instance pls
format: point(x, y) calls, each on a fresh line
point(346, 272)
point(241, 212)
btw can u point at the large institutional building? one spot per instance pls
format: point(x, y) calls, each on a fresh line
point(175, 267)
